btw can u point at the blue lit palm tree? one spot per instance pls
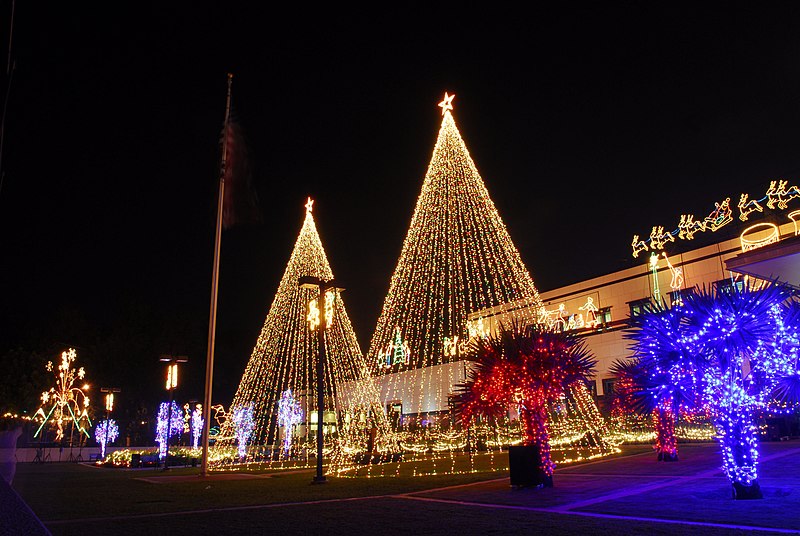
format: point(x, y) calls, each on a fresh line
point(665, 373)
point(750, 340)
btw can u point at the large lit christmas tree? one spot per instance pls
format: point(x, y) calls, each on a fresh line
point(457, 260)
point(281, 374)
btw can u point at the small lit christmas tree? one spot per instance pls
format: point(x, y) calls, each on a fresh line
point(289, 414)
point(284, 359)
point(196, 425)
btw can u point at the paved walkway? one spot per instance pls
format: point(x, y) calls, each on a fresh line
point(638, 488)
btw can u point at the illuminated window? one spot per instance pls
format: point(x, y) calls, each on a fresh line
point(726, 286)
point(394, 411)
point(638, 307)
point(676, 297)
point(604, 316)
point(608, 386)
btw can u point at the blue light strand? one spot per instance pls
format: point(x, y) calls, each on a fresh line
point(175, 427)
point(244, 424)
point(106, 432)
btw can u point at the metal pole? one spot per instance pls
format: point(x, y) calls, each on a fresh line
point(212, 320)
point(10, 36)
point(169, 422)
point(105, 444)
point(323, 321)
point(10, 75)
point(109, 406)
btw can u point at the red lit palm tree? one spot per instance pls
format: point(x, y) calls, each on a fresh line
point(528, 368)
point(627, 406)
point(637, 394)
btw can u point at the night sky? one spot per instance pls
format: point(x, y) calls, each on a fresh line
point(587, 124)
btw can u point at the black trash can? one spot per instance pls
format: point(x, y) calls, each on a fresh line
point(136, 460)
point(523, 464)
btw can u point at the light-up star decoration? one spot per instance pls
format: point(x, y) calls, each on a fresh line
point(68, 402)
point(447, 103)
point(309, 205)
point(289, 414)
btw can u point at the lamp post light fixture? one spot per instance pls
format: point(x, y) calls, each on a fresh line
point(109, 407)
point(319, 319)
point(171, 384)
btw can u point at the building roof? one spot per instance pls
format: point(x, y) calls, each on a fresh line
point(775, 262)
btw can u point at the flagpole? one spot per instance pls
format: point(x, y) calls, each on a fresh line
point(10, 75)
point(212, 315)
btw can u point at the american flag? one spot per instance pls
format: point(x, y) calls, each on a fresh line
point(240, 204)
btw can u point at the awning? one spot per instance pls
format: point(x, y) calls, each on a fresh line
point(779, 261)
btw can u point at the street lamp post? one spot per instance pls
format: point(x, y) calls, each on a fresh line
point(109, 408)
point(322, 322)
point(172, 384)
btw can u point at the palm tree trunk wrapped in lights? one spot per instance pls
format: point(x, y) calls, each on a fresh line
point(664, 424)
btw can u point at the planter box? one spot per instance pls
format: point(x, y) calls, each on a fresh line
point(523, 464)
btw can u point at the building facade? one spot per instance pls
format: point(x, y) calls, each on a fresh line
point(600, 308)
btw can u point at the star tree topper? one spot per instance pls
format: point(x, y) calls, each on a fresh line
point(309, 205)
point(447, 103)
